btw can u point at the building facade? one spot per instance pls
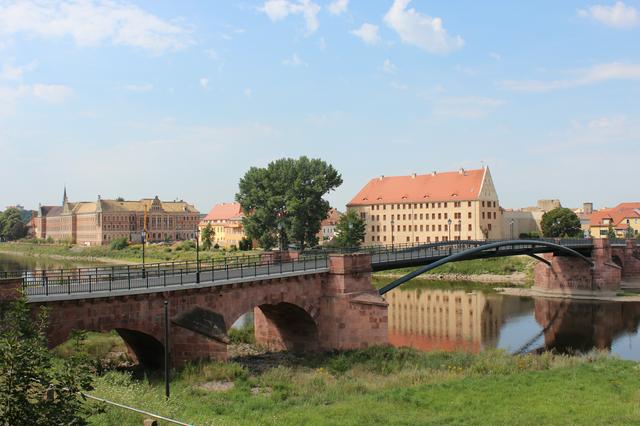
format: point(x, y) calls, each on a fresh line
point(226, 221)
point(459, 205)
point(624, 219)
point(99, 222)
point(328, 226)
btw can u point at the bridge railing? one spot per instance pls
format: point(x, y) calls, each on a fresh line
point(162, 275)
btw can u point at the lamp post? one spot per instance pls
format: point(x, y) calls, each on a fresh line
point(449, 223)
point(459, 229)
point(144, 242)
point(280, 241)
point(511, 222)
point(350, 236)
point(392, 223)
point(197, 255)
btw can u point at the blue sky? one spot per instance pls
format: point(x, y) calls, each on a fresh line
point(179, 99)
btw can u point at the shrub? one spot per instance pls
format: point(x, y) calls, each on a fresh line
point(119, 243)
point(186, 245)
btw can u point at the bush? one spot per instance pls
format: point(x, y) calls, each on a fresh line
point(186, 245)
point(119, 243)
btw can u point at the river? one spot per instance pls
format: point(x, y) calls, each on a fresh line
point(426, 316)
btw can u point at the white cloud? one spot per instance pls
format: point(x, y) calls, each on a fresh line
point(10, 72)
point(146, 87)
point(466, 107)
point(53, 93)
point(398, 86)
point(294, 61)
point(277, 10)
point(204, 82)
point(618, 16)
point(338, 7)
point(367, 33)
point(389, 67)
point(248, 92)
point(495, 56)
point(596, 74)
point(322, 43)
point(420, 30)
point(93, 22)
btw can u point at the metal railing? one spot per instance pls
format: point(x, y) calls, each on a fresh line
point(173, 274)
point(184, 273)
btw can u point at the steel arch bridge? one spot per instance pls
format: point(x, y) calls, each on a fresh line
point(457, 251)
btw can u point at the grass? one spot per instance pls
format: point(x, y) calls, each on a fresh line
point(494, 266)
point(132, 253)
point(389, 386)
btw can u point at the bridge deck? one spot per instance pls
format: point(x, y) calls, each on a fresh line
point(120, 280)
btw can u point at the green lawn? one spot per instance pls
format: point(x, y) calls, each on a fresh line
point(496, 266)
point(390, 386)
point(133, 253)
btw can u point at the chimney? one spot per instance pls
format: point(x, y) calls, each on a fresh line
point(587, 208)
point(413, 175)
point(461, 171)
point(434, 173)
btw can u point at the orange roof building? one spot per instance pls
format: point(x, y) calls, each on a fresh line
point(438, 206)
point(226, 221)
point(624, 219)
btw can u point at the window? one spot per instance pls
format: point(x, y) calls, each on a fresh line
point(373, 238)
point(408, 239)
point(417, 239)
point(384, 217)
point(378, 228)
point(421, 228)
point(437, 239)
point(384, 238)
point(404, 228)
point(468, 203)
point(469, 215)
point(439, 215)
point(384, 228)
point(415, 216)
point(420, 216)
point(483, 215)
point(483, 204)
point(445, 205)
point(446, 216)
point(439, 204)
point(469, 237)
point(433, 216)
point(392, 217)
point(470, 228)
point(439, 227)
point(373, 228)
point(384, 207)
point(489, 227)
point(391, 206)
point(428, 239)
point(446, 227)
point(433, 227)
point(494, 215)
point(404, 217)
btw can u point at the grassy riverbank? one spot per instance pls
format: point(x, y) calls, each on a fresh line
point(131, 254)
point(386, 386)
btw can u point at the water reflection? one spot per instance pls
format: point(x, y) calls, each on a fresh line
point(443, 319)
point(18, 263)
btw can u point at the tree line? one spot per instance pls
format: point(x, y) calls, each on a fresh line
point(12, 225)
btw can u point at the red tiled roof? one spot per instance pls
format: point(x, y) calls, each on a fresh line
point(224, 211)
point(332, 218)
point(463, 185)
point(617, 214)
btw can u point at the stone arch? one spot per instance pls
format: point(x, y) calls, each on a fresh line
point(148, 351)
point(285, 326)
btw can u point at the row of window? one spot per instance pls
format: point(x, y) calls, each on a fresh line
point(421, 228)
point(425, 216)
point(383, 238)
point(426, 205)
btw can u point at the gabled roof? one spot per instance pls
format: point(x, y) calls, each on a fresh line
point(224, 211)
point(332, 218)
point(616, 214)
point(462, 185)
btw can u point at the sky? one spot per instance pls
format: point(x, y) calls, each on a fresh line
point(179, 99)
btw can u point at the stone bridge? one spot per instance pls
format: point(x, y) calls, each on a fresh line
point(335, 308)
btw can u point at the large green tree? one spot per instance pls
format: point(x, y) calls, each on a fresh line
point(350, 230)
point(561, 222)
point(283, 202)
point(34, 388)
point(12, 226)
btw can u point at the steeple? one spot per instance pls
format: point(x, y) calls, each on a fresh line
point(64, 196)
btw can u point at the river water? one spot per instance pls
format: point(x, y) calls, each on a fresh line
point(426, 316)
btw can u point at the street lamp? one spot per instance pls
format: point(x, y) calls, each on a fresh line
point(144, 242)
point(350, 236)
point(511, 222)
point(281, 242)
point(197, 255)
point(459, 229)
point(449, 223)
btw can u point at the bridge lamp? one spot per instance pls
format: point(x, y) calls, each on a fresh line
point(459, 229)
point(197, 254)
point(392, 223)
point(144, 242)
point(449, 222)
point(511, 222)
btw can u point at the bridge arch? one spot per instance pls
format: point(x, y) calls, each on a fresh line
point(528, 247)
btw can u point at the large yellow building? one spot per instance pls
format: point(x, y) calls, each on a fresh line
point(99, 222)
point(624, 219)
point(459, 205)
point(226, 221)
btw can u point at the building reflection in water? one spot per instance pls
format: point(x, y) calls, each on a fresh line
point(449, 319)
point(579, 326)
point(433, 319)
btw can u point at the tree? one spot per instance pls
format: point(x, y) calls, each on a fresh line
point(561, 222)
point(207, 236)
point(629, 233)
point(283, 202)
point(11, 225)
point(611, 232)
point(33, 389)
point(350, 230)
